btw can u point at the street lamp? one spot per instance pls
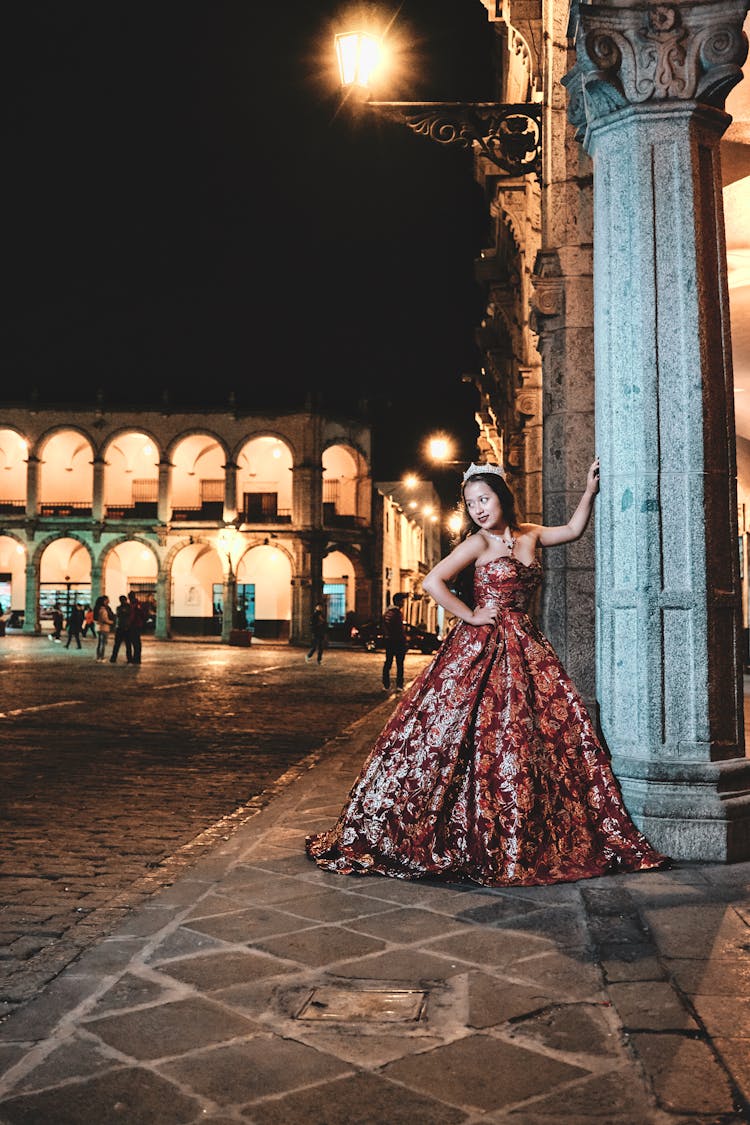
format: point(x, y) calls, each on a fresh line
point(228, 539)
point(455, 524)
point(440, 450)
point(509, 135)
point(359, 55)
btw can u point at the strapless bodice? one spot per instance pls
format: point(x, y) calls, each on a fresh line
point(506, 582)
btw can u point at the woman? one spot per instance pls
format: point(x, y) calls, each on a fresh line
point(105, 619)
point(490, 770)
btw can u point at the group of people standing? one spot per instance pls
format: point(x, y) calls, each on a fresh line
point(127, 622)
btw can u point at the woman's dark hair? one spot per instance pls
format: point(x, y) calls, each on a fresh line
point(463, 584)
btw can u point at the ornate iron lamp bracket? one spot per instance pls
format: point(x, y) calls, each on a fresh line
point(508, 135)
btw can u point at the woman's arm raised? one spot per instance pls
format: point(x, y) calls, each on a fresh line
point(578, 522)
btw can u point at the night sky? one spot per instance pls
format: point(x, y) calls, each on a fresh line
point(190, 209)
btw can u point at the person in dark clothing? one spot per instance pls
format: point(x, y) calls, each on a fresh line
point(122, 617)
point(319, 627)
point(75, 623)
point(136, 622)
point(394, 635)
point(89, 621)
point(57, 623)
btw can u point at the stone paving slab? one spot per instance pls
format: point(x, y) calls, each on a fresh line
point(621, 1001)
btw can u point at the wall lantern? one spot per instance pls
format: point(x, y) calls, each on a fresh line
point(358, 56)
point(508, 135)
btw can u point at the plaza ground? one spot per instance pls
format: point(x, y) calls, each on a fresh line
point(245, 985)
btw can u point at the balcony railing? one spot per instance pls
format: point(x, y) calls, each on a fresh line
point(65, 508)
point(12, 507)
point(211, 510)
point(281, 515)
point(141, 510)
point(332, 518)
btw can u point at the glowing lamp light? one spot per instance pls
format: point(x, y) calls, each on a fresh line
point(455, 523)
point(439, 448)
point(427, 510)
point(410, 480)
point(358, 57)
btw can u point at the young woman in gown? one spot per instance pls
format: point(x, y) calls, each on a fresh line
point(490, 769)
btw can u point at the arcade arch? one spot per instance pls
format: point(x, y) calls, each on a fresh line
point(338, 586)
point(342, 473)
point(12, 574)
point(131, 476)
point(131, 565)
point(66, 476)
point(197, 583)
point(64, 575)
point(264, 480)
point(13, 463)
point(198, 477)
point(264, 581)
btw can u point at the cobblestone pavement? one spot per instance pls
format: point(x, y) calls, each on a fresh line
point(113, 777)
point(259, 990)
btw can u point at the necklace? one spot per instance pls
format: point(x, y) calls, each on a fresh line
point(507, 542)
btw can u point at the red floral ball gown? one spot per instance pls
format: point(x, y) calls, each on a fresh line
point(489, 769)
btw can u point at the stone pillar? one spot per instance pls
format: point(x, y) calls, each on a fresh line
point(32, 486)
point(307, 495)
point(307, 587)
point(31, 621)
point(647, 92)
point(164, 506)
point(563, 318)
point(229, 602)
point(96, 582)
point(97, 498)
point(230, 492)
point(161, 625)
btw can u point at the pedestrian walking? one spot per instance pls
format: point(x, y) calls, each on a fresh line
point(89, 618)
point(57, 624)
point(75, 624)
point(136, 622)
point(394, 635)
point(105, 619)
point(122, 632)
point(490, 770)
point(319, 627)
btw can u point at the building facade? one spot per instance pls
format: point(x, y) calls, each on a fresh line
point(609, 282)
point(218, 520)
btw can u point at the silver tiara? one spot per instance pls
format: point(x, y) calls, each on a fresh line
point(474, 469)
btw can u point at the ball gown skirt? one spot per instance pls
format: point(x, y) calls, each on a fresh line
point(490, 769)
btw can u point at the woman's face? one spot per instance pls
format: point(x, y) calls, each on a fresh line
point(483, 504)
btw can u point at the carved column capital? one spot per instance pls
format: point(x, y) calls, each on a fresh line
point(631, 55)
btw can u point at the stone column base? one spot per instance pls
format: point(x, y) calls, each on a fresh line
point(690, 810)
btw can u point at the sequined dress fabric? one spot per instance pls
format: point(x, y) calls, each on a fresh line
point(489, 770)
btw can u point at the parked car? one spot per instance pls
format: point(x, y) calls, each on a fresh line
point(370, 636)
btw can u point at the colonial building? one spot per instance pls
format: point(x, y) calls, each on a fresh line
point(195, 512)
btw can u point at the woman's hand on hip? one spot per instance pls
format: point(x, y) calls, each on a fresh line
point(483, 615)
